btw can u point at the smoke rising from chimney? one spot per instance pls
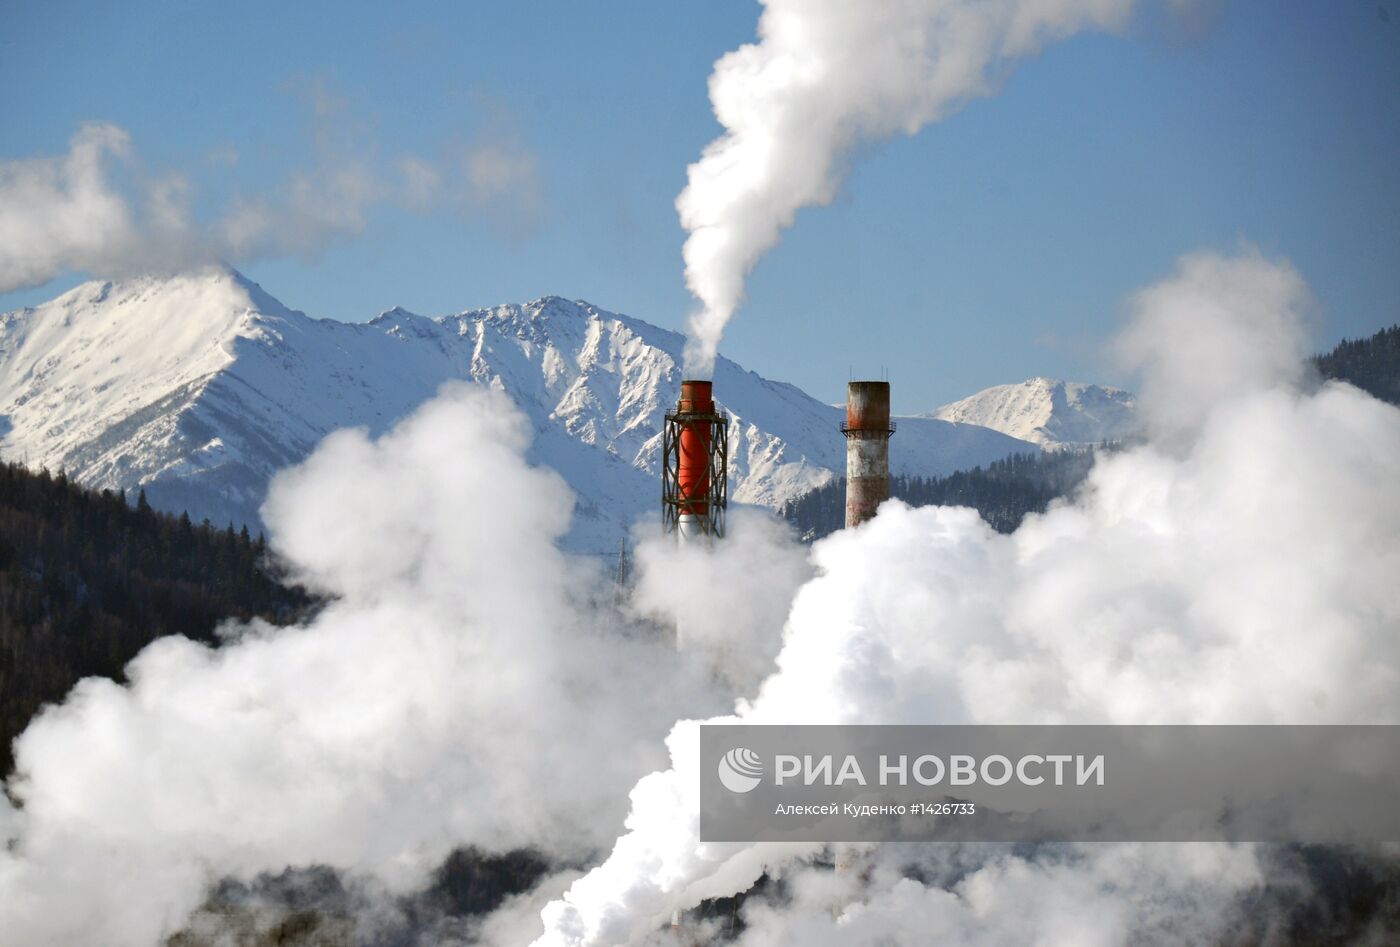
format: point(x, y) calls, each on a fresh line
point(825, 76)
point(1236, 568)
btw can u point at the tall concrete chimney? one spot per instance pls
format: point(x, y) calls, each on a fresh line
point(867, 429)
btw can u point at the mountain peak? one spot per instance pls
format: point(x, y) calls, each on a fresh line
point(1050, 412)
point(262, 300)
point(558, 306)
point(207, 293)
point(113, 349)
point(396, 315)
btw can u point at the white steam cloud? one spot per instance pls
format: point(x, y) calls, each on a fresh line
point(1237, 568)
point(469, 684)
point(824, 77)
point(90, 210)
point(983, 896)
point(707, 597)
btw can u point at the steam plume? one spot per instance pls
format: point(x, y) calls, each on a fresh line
point(825, 76)
point(1237, 568)
point(464, 686)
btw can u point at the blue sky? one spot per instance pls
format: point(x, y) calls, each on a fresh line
point(996, 245)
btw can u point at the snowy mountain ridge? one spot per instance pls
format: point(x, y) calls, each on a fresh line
point(1048, 412)
point(199, 387)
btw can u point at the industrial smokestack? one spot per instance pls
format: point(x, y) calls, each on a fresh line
point(695, 465)
point(868, 428)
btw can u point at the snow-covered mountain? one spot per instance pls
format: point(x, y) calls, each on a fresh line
point(1048, 412)
point(199, 387)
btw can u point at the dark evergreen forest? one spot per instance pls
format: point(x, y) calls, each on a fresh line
point(1371, 364)
point(1003, 491)
point(87, 580)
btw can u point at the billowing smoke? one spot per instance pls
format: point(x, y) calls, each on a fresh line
point(825, 77)
point(470, 684)
point(467, 684)
point(1223, 316)
point(1238, 567)
point(728, 605)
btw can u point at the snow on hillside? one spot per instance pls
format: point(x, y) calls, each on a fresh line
point(199, 387)
point(1049, 412)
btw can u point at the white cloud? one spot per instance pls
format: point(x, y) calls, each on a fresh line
point(63, 212)
point(502, 178)
point(80, 212)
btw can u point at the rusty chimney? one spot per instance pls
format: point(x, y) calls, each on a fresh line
point(868, 428)
point(695, 465)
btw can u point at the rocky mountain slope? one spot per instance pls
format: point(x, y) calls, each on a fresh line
point(199, 387)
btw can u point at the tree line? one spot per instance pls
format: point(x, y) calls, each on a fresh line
point(1003, 491)
point(87, 579)
point(1371, 364)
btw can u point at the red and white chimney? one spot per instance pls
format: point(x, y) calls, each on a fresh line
point(695, 465)
point(868, 428)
